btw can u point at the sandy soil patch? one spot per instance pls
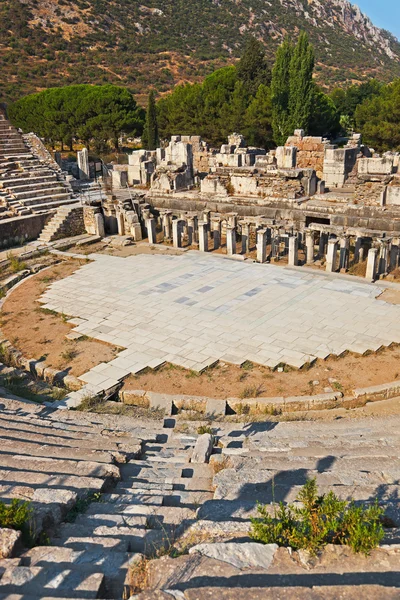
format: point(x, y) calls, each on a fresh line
point(40, 334)
point(225, 381)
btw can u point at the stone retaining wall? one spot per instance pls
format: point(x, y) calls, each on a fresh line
point(14, 232)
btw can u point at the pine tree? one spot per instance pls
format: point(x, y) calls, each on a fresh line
point(150, 139)
point(252, 68)
point(301, 87)
point(280, 89)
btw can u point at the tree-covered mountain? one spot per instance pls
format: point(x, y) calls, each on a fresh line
point(159, 43)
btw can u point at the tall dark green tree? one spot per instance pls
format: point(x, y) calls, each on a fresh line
point(253, 69)
point(301, 87)
point(150, 137)
point(280, 90)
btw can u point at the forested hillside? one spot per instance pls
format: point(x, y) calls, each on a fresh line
point(161, 43)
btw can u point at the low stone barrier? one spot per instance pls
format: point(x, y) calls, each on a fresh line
point(379, 392)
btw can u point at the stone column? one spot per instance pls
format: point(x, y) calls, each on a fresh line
point(262, 245)
point(394, 255)
point(230, 240)
point(331, 257)
point(232, 219)
point(177, 233)
point(383, 257)
point(293, 259)
point(151, 230)
point(167, 225)
point(358, 250)
point(207, 218)
point(203, 236)
point(323, 242)
point(245, 237)
point(344, 253)
point(370, 275)
point(275, 238)
point(83, 163)
point(191, 228)
point(99, 224)
point(309, 247)
point(120, 223)
point(216, 229)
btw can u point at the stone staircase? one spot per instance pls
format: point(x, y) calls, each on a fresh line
point(67, 221)
point(58, 461)
point(28, 184)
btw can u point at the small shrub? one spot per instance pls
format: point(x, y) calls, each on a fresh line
point(69, 354)
point(16, 264)
point(204, 429)
point(81, 506)
point(17, 515)
point(253, 391)
point(319, 521)
point(247, 365)
point(89, 402)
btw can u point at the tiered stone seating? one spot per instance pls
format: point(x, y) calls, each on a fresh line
point(27, 184)
point(55, 460)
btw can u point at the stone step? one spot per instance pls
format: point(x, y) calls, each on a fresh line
point(35, 186)
point(57, 466)
point(113, 565)
point(41, 450)
point(92, 519)
point(72, 482)
point(53, 581)
point(88, 534)
point(116, 502)
point(29, 197)
point(26, 180)
point(54, 204)
point(134, 487)
point(37, 201)
point(65, 436)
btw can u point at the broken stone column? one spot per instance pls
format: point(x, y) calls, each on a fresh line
point(262, 245)
point(99, 224)
point(358, 250)
point(151, 230)
point(344, 253)
point(191, 229)
point(331, 257)
point(394, 255)
point(177, 233)
point(230, 240)
point(275, 241)
point(207, 218)
point(383, 257)
point(293, 259)
point(83, 163)
point(309, 247)
point(120, 223)
point(167, 225)
point(370, 274)
point(323, 242)
point(216, 229)
point(203, 236)
point(245, 237)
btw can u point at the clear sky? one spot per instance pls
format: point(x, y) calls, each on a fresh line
point(383, 13)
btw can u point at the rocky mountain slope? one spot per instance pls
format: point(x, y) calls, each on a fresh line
point(161, 43)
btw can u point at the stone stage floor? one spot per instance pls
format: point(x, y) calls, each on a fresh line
point(195, 309)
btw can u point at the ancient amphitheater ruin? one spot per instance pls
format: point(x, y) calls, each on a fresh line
point(209, 331)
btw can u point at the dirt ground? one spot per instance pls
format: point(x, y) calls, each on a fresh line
point(41, 334)
point(123, 251)
point(249, 381)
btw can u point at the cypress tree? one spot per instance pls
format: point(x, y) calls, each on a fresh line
point(252, 68)
point(301, 88)
point(150, 138)
point(280, 89)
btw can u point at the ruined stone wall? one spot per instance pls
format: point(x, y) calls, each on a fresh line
point(310, 153)
point(22, 229)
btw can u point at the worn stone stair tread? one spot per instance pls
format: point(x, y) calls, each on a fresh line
point(76, 583)
point(136, 487)
point(73, 482)
point(113, 565)
point(88, 543)
point(48, 451)
point(93, 520)
point(52, 465)
point(113, 502)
